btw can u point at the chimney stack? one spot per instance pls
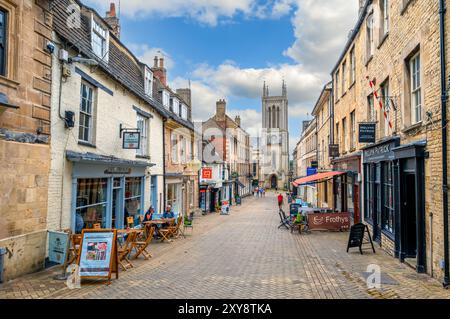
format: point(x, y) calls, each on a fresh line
point(160, 71)
point(238, 120)
point(221, 109)
point(112, 19)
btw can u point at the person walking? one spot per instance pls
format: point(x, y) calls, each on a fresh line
point(280, 200)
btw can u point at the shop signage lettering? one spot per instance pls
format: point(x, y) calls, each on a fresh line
point(131, 140)
point(335, 222)
point(367, 132)
point(378, 151)
point(118, 171)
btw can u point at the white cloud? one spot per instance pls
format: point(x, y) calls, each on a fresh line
point(146, 54)
point(209, 12)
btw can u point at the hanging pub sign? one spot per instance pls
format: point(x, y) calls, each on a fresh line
point(367, 132)
point(333, 150)
point(98, 254)
point(131, 140)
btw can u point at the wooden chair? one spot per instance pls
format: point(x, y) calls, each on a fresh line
point(75, 248)
point(175, 230)
point(166, 233)
point(125, 250)
point(141, 246)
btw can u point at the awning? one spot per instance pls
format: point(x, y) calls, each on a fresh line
point(316, 178)
point(240, 184)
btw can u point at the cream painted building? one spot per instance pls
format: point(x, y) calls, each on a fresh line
point(94, 179)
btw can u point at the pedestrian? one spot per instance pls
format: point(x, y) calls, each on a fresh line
point(280, 200)
point(264, 192)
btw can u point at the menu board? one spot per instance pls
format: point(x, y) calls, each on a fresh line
point(58, 246)
point(98, 256)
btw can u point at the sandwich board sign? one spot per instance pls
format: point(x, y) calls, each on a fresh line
point(98, 254)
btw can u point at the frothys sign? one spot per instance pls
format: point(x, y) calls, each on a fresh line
point(335, 222)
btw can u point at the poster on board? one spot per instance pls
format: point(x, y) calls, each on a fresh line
point(58, 244)
point(98, 253)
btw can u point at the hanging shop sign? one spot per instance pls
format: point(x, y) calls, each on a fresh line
point(367, 132)
point(207, 173)
point(131, 140)
point(98, 256)
point(333, 150)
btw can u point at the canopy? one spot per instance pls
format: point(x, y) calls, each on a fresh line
point(316, 178)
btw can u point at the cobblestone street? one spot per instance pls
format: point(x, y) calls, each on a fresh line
point(244, 255)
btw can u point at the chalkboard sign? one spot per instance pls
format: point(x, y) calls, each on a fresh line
point(356, 240)
point(238, 201)
point(98, 254)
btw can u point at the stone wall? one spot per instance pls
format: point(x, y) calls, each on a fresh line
point(24, 136)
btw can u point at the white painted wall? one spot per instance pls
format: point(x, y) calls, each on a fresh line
point(111, 112)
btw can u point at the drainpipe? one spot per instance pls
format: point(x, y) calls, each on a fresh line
point(442, 11)
point(164, 163)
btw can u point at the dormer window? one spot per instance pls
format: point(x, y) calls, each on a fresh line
point(148, 78)
point(100, 40)
point(175, 105)
point(166, 99)
point(184, 112)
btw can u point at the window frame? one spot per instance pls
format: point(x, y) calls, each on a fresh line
point(144, 149)
point(174, 148)
point(353, 130)
point(415, 88)
point(5, 36)
point(84, 113)
point(148, 81)
point(103, 34)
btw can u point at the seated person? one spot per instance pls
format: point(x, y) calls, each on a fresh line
point(168, 213)
point(149, 215)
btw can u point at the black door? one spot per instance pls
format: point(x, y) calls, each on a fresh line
point(409, 212)
point(274, 182)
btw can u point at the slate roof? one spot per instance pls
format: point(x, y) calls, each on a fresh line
point(123, 66)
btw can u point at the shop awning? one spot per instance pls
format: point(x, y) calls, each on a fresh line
point(316, 178)
point(240, 184)
point(92, 158)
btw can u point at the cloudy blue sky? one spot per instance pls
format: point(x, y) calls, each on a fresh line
point(228, 48)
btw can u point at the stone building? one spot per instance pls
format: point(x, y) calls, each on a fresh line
point(25, 94)
point(389, 75)
point(323, 113)
point(230, 145)
point(275, 139)
point(181, 183)
point(107, 159)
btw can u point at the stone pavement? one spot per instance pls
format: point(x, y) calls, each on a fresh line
point(244, 255)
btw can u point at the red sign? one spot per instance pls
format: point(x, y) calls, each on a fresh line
point(207, 173)
point(336, 222)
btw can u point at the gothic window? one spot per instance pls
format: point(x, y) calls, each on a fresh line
point(278, 117)
point(270, 117)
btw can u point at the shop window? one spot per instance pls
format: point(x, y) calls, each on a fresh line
point(389, 211)
point(143, 126)
point(87, 104)
point(133, 199)
point(369, 191)
point(174, 197)
point(3, 41)
point(91, 203)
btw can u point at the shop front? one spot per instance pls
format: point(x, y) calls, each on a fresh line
point(106, 191)
point(394, 198)
point(347, 187)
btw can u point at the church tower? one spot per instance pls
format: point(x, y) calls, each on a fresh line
point(275, 138)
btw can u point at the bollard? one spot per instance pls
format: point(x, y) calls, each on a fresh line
point(3, 252)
